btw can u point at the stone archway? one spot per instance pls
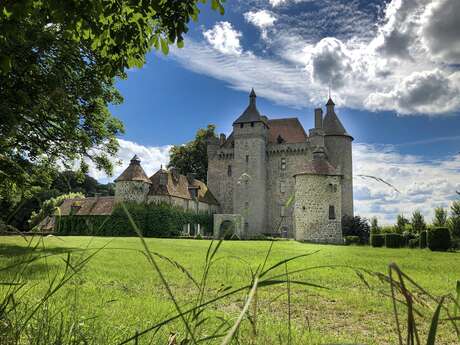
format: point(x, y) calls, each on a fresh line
point(225, 223)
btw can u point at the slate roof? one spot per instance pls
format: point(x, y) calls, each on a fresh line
point(133, 172)
point(179, 187)
point(91, 206)
point(319, 167)
point(331, 122)
point(290, 129)
point(251, 114)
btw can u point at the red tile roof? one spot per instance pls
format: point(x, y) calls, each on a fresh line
point(289, 129)
point(319, 167)
point(94, 206)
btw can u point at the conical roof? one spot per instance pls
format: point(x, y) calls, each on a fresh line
point(251, 114)
point(331, 122)
point(134, 172)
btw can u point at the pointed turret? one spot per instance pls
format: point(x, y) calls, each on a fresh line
point(251, 114)
point(331, 123)
point(133, 172)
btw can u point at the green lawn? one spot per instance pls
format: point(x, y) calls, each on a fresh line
point(118, 292)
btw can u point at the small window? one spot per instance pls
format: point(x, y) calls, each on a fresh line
point(282, 211)
point(283, 163)
point(282, 187)
point(229, 170)
point(331, 212)
point(241, 125)
point(247, 159)
point(246, 205)
point(252, 124)
point(332, 188)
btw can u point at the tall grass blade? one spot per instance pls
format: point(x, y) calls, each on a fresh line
point(434, 324)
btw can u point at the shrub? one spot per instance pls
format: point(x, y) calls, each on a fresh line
point(393, 241)
point(377, 240)
point(439, 239)
point(153, 220)
point(407, 236)
point(414, 243)
point(454, 221)
point(423, 239)
point(356, 226)
point(351, 240)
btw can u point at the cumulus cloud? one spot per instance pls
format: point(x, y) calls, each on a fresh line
point(329, 62)
point(440, 28)
point(224, 38)
point(422, 185)
point(262, 19)
point(152, 157)
point(428, 92)
point(275, 3)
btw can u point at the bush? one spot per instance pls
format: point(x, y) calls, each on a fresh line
point(439, 239)
point(351, 240)
point(407, 236)
point(356, 226)
point(414, 243)
point(393, 241)
point(153, 220)
point(377, 240)
point(423, 239)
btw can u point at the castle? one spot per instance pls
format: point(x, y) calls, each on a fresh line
point(267, 177)
point(264, 163)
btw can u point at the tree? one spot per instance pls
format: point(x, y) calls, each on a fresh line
point(440, 217)
point(401, 222)
point(454, 220)
point(375, 229)
point(58, 63)
point(192, 156)
point(356, 226)
point(418, 222)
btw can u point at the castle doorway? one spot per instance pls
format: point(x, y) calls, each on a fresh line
point(228, 226)
point(227, 230)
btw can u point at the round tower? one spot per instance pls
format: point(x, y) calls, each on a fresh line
point(339, 152)
point(318, 202)
point(133, 184)
point(250, 133)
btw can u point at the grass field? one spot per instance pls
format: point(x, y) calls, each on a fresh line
point(118, 292)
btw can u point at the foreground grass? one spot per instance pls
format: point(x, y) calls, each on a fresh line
point(118, 293)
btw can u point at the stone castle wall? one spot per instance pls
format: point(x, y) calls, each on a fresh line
point(314, 194)
point(281, 183)
point(131, 191)
point(219, 183)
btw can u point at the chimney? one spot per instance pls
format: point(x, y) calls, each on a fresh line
point(222, 139)
point(318, 118)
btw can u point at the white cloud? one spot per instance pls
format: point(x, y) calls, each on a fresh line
point(441, 30)
point(402, 64)
point(262, 19)
point(423, 185)
point(152, 157)
point(224, 38)
point(428, 92)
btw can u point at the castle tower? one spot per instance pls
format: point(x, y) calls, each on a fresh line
point(318, 203)
point(250, 132)
point(339, 151)
point(133, 184)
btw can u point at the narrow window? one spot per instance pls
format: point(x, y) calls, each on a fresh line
point(247, 159)
point(252, 124)
point(246, 205)
point(331, 212)
point(229, 170)
point(283, 163)
point(282, 187)
point(241, 125)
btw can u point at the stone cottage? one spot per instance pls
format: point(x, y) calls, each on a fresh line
point(264, 163)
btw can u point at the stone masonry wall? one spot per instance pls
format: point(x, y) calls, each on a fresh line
point(314, 195)
point(131, 191)
point(219, 183)
point(281, 183)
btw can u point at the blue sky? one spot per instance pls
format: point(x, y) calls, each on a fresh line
point(393, 68)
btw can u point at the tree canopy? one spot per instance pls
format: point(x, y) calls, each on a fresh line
point(192, 156)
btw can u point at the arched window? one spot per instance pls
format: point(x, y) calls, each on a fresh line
point(229, 170)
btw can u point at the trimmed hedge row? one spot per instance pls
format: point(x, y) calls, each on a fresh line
point(153, 220)
point(437, 239)
point(377, 240)
point(352, 240)
point(394, 241)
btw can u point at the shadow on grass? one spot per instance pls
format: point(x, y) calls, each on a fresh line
point(13, 250)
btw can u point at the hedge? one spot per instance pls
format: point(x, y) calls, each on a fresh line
point(352, 240)
point(423, 239)
point(407, 236)
point(377, 240)
point(439, 239)
point(414, 243)
point(153, 220)
point(394, 241)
